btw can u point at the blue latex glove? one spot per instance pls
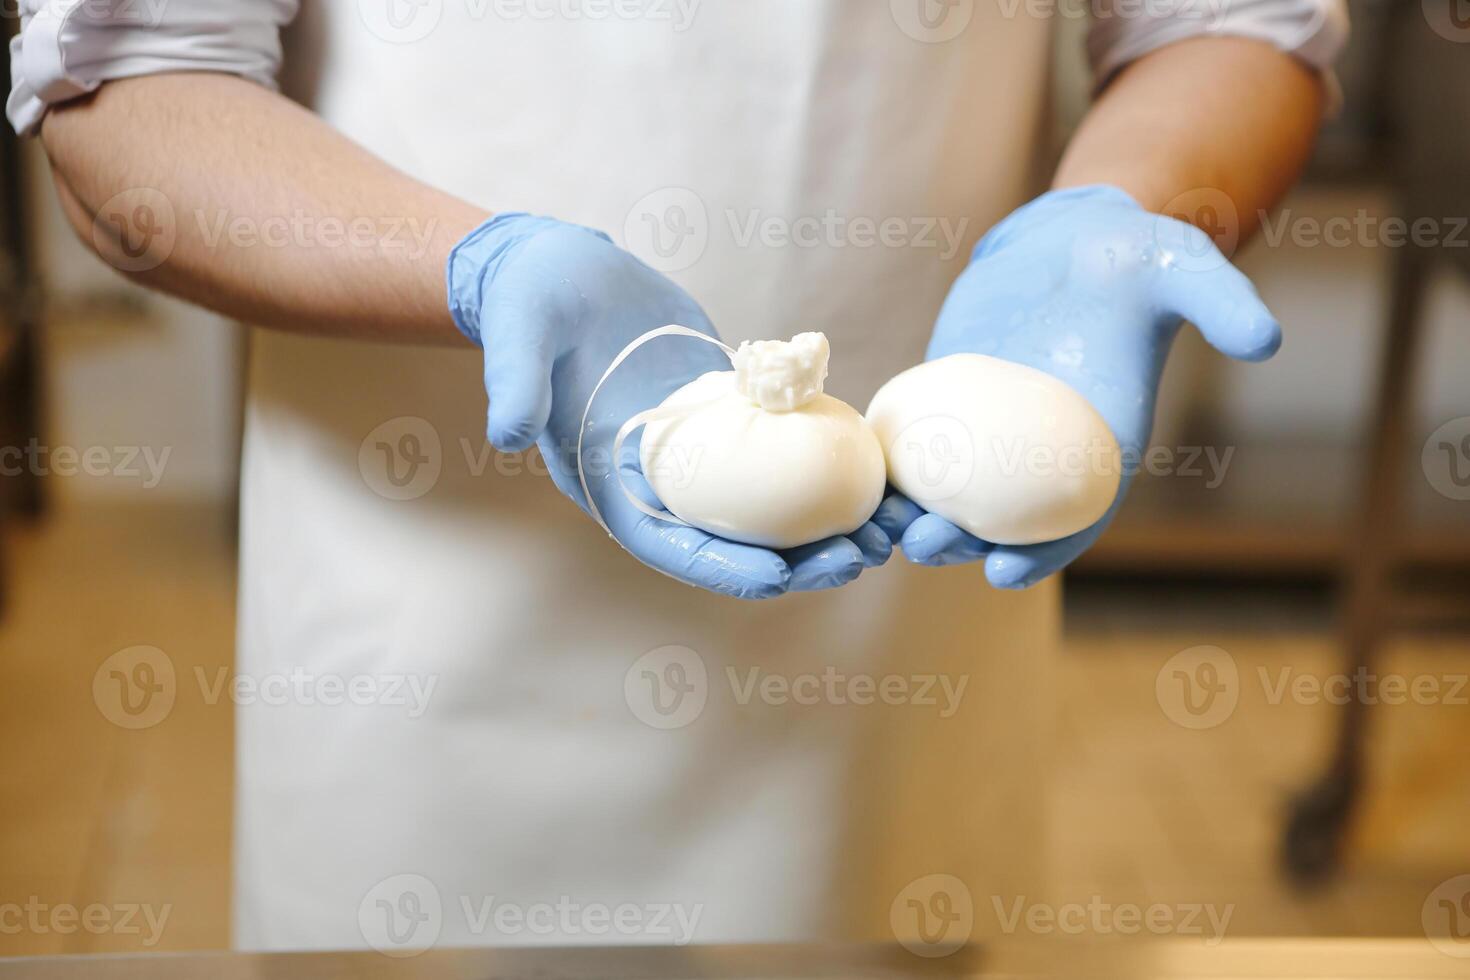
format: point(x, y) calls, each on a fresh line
point(1087, 286)
point(552, 304)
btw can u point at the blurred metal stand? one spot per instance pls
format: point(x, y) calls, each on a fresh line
point(20, 486)
point(1426, 77)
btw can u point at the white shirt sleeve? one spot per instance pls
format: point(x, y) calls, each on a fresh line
point(1313, 31)
point(66, 48)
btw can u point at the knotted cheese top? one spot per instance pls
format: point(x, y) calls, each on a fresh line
point(782, 375)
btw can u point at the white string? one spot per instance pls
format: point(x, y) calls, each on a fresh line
point(642, 418)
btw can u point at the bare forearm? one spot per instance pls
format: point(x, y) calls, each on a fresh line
point(1211, 116)
point(268, 214)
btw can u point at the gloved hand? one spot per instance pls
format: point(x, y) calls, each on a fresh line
point(552, 304)
point(1087, 286)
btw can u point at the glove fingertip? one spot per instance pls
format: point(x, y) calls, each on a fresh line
point(512, 435)
point(738, 570)
point(517, 414)
point(874, 543)
point(927, 539)
point(754, 582)
point(826, 565)
point(1261, 339)
point(895, 514)
point(1012, 570)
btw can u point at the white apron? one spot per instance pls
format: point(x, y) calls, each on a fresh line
point(489, 743)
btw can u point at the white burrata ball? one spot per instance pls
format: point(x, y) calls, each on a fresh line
point(763, 456)
point(1007, 452)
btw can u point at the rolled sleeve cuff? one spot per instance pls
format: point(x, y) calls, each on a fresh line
point(1312, 31)
point(66, 48)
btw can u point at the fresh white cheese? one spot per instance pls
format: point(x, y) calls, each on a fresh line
point(762, 455)
point(1007, 452)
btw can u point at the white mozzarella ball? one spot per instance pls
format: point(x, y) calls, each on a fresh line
point(776, 479)
point(1007, 452)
